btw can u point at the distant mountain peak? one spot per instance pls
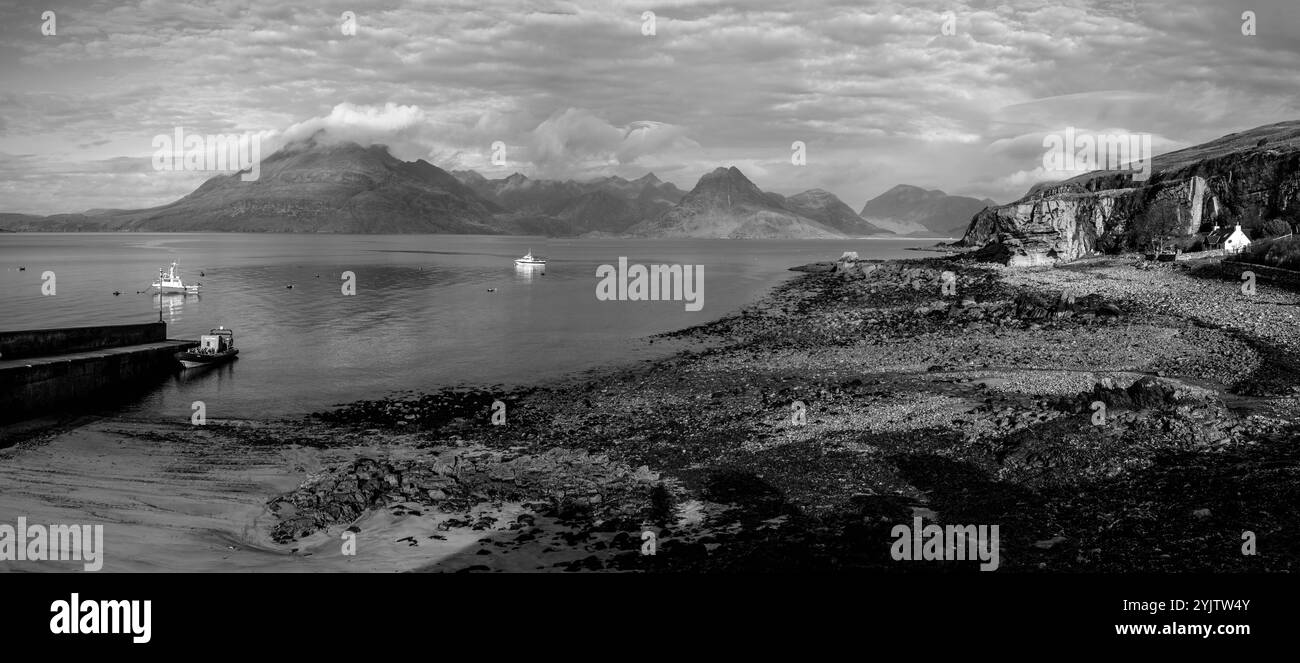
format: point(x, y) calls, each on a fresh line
point(730, 176)
point(724, 171)
point(826, 208)
point(815, 193)
point(911, 210)
point(912, 190)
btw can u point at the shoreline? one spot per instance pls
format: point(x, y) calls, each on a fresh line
point(971, 408)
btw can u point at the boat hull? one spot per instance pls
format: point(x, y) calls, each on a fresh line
point(196, 360)
point(531, 262)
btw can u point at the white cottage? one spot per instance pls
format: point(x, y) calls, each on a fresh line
point(1231, 241)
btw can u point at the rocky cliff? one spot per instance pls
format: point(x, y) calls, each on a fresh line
point(1248, 178)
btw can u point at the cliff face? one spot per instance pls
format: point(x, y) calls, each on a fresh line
point(1247, 178)
point(1054, 224)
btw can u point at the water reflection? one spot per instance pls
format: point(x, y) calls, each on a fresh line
point(526, 273)
point(171, 303)
point(222, 371)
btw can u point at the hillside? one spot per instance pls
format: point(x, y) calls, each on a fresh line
point(911, 210)
point(825, 208)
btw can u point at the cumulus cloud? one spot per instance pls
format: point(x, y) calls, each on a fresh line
point(578, 139)
point(404, 128)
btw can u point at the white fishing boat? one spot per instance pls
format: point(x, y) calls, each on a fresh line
point(529, 259)
point(169, 282)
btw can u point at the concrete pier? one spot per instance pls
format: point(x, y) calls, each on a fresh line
point(48, 369)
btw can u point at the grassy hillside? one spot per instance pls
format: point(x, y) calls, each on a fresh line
point(1281, 252)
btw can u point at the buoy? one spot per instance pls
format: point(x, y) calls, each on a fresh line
point(290, 286)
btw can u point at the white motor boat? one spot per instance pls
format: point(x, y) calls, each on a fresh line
point(529, 259)
point(169, 282)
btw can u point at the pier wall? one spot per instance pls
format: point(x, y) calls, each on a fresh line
point(43, 342)
point(81, 367)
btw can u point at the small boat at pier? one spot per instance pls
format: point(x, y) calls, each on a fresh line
point(169, 282)
point(214, 348)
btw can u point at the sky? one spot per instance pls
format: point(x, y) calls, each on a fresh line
point(950, 95)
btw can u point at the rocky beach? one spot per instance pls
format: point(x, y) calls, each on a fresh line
point(1109, 415)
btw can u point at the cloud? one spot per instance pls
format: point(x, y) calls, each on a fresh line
point(571, 136)
point(404, 128)
point(573, 88)
point(578, 139)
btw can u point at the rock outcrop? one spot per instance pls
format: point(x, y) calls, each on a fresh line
point(570, 483)
point(1247, 178)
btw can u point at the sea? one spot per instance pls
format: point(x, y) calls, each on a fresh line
point(424, 312)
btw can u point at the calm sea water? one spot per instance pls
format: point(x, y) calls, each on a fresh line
point(422, 316)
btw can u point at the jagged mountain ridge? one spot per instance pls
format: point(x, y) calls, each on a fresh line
point(554, 207)
point(726, 204)
point(318, 186)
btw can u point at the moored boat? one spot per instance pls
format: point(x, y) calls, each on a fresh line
point(169, 282)
point(214, 347)
point(529, 259)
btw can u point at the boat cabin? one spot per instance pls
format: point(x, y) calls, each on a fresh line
point(218, 341)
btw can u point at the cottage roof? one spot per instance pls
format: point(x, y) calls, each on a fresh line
point(1220, 234)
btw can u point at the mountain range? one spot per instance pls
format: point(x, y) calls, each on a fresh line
point(317, 186)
